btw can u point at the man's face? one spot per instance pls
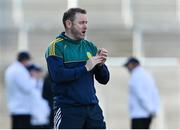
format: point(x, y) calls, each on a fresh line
point(130, 67)
point(79, 26)
point(26, 62)
point(36, 74)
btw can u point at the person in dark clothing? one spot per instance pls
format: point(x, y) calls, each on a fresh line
point(48, 95)
point(73, 63)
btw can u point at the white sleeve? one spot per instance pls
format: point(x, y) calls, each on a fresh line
point(25, 82)
point(141, 92)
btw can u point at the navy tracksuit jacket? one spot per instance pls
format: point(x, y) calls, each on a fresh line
point(73, 85)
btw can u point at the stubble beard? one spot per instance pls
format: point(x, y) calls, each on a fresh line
point(76, 34)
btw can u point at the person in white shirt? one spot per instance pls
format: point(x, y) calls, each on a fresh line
point(144, 99)
point(40, 110)
point(19, 88)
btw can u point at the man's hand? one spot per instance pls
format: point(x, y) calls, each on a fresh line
point(103, 53)
point(92, 62)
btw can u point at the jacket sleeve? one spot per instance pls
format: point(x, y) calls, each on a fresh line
point(143, 94)
point(102, 74)
point(59, 73)
point(25, 82)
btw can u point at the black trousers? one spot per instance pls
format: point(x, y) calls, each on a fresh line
point(20, 121)
point(141, 123)
point(79, 117)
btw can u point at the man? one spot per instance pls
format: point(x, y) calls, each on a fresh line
point(143, 95)
point(72, 63)
point(19, 87)
point(40, 110)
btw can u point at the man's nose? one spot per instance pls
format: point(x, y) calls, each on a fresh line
point(85, 26)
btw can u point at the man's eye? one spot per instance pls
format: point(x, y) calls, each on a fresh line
point(83, 22)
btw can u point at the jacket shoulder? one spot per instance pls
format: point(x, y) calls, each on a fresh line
point(55, 48)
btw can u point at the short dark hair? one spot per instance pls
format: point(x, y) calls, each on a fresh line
point(70, 14)
point(132, 60)
point(22, 56)
point(34, 67)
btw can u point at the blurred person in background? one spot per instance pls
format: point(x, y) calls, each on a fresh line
point(143, 95)
point(47, 94)
point(73, 62)
point(39, 108)
point(19, 88)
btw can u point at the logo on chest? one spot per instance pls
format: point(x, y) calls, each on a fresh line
point(89, 55)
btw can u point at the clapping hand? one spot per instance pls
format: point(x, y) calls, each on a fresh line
point(93, 61)
point(103, 53)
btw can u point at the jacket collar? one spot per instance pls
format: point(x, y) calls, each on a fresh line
point(62, 35)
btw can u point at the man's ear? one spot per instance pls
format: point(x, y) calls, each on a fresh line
point(68, 23)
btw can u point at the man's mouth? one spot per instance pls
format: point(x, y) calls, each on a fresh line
point(83, 32)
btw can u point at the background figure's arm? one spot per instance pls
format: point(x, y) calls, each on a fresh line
point(143, 94)
point(25, 82)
